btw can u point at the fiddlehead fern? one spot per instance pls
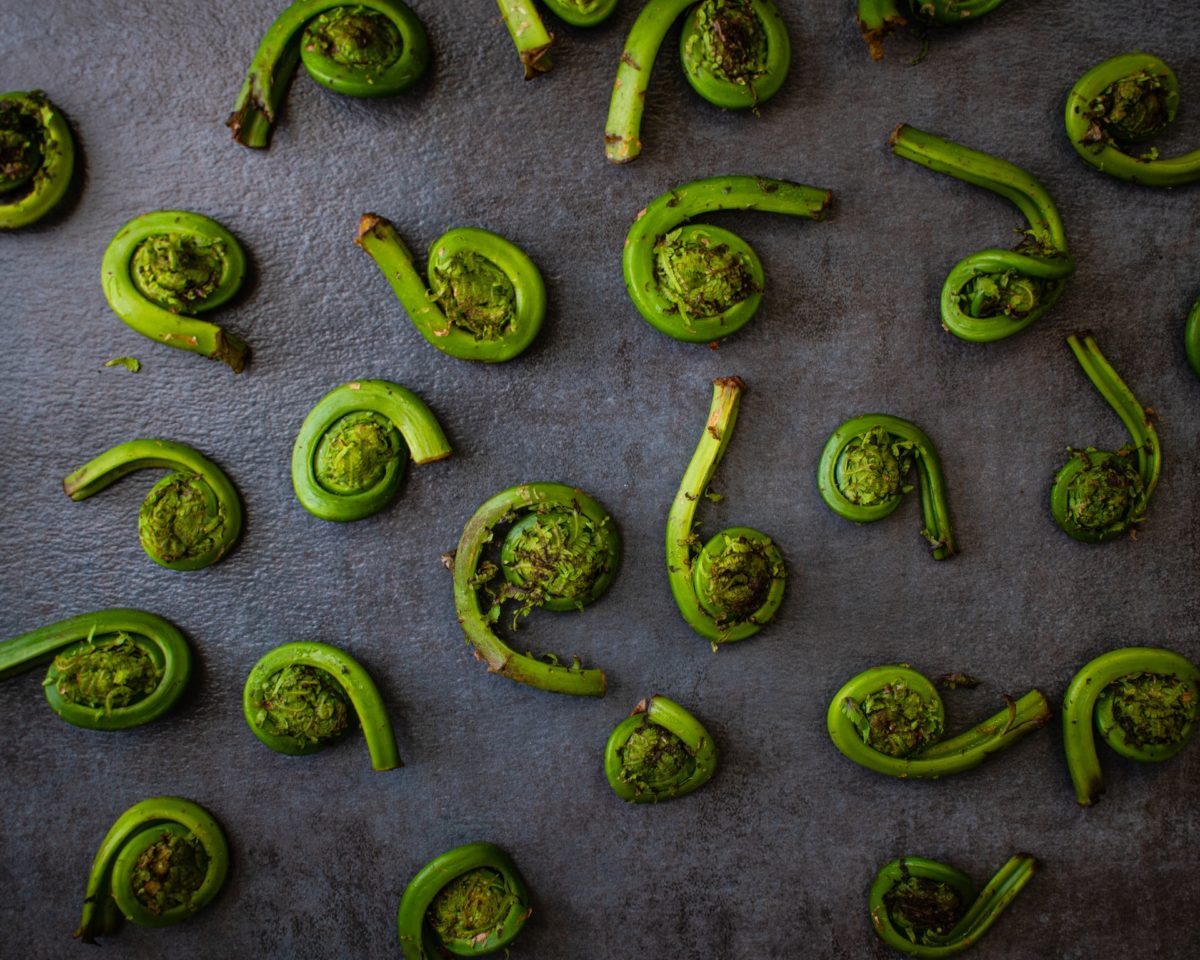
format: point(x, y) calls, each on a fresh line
point(659, 752)
point(863, 475)
point(1119, 102)
point(1143, 702)
point(877, 18)
point(371, 48)
point(700, 283)
point(730, 587)
point(485, 301)
point(37, 158)
point(1100, 494)
point(164, 268)
point(561, 552)
point(162, 861)
point(533, 40)
point(735, 54)
point(926, 909)
point(1191, 337)
point(891, 720)
point(469, 901)
point(350, 456)
point(298, 697)
point(189, 519)
point(995, 293)
point(109, 670)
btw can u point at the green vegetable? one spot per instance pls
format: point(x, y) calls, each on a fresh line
point(533, 41)
point(877, 18)
point(132, 364)
point(659, 752)
point(1191, 337)
point(37, 158)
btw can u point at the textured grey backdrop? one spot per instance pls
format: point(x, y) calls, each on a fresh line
point(773, 857)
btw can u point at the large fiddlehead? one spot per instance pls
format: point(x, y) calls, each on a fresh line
point(1120, 102)
point(353, 446)
point(298, 700)
point(926, 909)
point(891, 720)
point(485, 300)
point(371, 48)
point(659, 752)
point(728, 588)
point(1143, 703)
point(995, 293)
point(109, 670)
point(37, 158)
point(533, 40)
point(864, 469)
point(1191, 337)
point(700, 283)
point(735, 54)
point(469, 901)
point(560, 552)
point(162, 861)
point(877, 18)
point(189, 519)
point(1100, 494)
point(163, 269)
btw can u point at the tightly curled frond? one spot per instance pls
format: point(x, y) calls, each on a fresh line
point(877, 18)
point(37, 158)
point(530, 36)
point(659, 752)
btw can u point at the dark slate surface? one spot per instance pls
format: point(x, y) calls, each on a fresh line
point(773, 858)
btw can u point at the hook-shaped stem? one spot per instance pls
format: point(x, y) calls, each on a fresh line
point(659, 752)
point(37, 158)
point(877, 18)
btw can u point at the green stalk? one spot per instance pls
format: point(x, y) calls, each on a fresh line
point(37, 158)
point(529, 34)
point(877, 18)
point(1191, 337)
point(659, 752)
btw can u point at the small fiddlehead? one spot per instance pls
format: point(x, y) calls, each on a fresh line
point(163, 269)
point(1143, 703)
point(109, 670)
point(1191, 337)
point(700, 283)
point(659, 752)
point(891, 720)
point(469, 901)
point(37, 158)
point(1100, 494)
point(485, 300)
point(162, 861)
point(1124, 100)
point(730, 587)
point(189, 519)
point(735, 54)
point(371, 48)
point(877, 18)
point(298, 700)
point(864, 469)
point(560, 552)
point(926, 909)
point(533, 40)
point(995, 293)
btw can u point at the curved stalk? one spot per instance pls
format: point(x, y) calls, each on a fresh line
point(891, 720)
point(735, 54)
point(485, 300)
point(700, 283)
point(164, 268)
point(189, 519)
point(371, 48)
point(561, 552)
point(37, 158)
point(1143, 703)
point(1100, 494)
point(877, 18)
point(659, 752)
point(995, 293)
point(1191, 337)
point(1126, 99)
point(162, 861)
point(533, 40)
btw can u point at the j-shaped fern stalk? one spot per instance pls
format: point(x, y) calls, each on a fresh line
point(485, 300)
point(162, 861)
point(468, 902)
point(995, 293)
point(561, 551)
point(1143, 703)
point(877, 18)
point(730, 587)
point(1101, 494)
point(298, 700)
point(109, 670)
point(189, 519)
point(533, 40)
point(891, 720)
point(1120, 102)
point(371, 48)
point(659, 752)
point(1191, 337)
point(37, 158)
point(926, 909)
point(163, 269)
point(735, 54)
point(700, 283)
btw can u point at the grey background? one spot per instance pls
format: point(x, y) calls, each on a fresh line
point(773, 857)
